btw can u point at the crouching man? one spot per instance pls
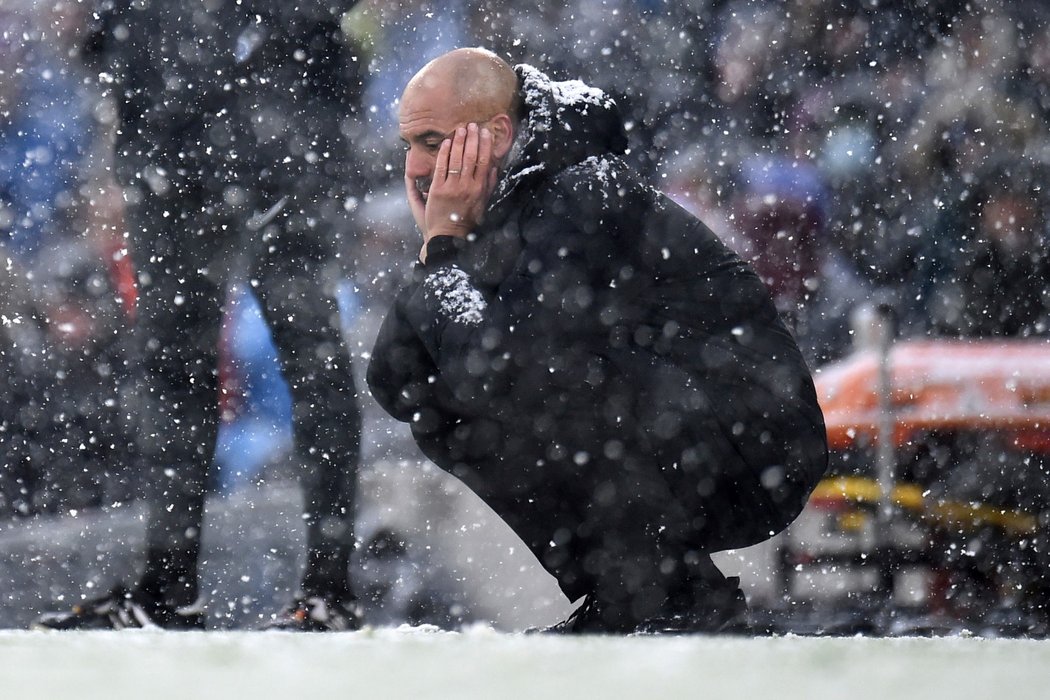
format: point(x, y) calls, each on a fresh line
point(586, 356)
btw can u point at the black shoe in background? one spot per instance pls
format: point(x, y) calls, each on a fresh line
point(317, 613)
point(122, 609)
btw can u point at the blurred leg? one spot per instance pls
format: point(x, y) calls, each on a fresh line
point(297, 296)
point(179, 315)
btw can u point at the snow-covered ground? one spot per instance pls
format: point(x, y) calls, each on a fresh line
point(482, 663)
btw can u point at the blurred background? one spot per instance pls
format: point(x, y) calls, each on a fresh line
point(882, 164)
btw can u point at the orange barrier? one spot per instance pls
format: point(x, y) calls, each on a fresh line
point(1001, 385)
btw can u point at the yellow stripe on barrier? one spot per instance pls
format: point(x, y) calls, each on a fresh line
point(865, 491)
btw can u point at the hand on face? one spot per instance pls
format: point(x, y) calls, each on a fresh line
point(463, 180)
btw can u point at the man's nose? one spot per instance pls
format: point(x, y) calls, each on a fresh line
point(417, 164)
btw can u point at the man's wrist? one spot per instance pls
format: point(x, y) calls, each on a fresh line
point(440, 249)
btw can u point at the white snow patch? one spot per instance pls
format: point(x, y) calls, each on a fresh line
point(547, 101)
point(458, 298)
point(480, 663)
point(604, 170)
point(576, 92)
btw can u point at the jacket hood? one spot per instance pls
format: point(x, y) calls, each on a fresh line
point(562, 123)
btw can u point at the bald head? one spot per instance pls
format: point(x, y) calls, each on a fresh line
point(479, 83)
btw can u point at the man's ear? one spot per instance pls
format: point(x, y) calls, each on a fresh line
point(502, 136)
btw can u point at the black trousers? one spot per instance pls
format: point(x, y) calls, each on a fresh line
point(623, 491)
point(186, 242)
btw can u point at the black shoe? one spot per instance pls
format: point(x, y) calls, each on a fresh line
point(720, 609)
point(315, 613)
point(587, 618)
point(122, 609)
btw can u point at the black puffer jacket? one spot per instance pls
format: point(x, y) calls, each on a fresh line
point(596, 358)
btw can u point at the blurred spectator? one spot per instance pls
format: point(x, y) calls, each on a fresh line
point(779, 210)
point(1000, 281)
point(44, 137)
point(61, 445)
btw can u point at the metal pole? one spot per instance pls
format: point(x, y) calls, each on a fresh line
point(885, 460)
point(885, 456)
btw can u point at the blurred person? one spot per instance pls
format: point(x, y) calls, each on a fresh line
point(44, 138)
point(586, 356)
point(62, 347)
point(232, 155)
point(771, 210)
point(974, 118)
point(1000, 283)
point(779, 209)
point(1038, 65)
point(22, 420)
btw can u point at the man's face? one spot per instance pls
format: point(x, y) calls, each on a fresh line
point(427, 116)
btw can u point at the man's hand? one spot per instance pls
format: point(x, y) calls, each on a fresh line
point(464, 178)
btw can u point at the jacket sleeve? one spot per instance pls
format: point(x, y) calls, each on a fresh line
point(402, 374)
point(459, 329)
point(399, 365)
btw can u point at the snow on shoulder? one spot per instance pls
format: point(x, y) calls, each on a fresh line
point(602, 171)
point(573, 95)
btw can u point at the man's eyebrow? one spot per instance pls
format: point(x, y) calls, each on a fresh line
point(432, 133)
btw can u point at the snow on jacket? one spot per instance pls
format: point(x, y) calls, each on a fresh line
point(591, 328)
